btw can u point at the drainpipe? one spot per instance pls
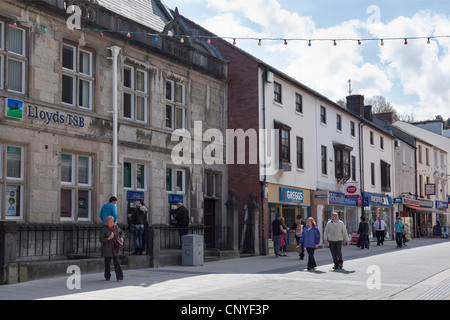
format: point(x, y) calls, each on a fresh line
point(361, 163)
point(115, 52)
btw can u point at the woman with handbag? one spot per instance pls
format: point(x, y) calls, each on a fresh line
point(112, 239)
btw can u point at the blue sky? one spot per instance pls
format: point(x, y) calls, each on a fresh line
point(415, 78)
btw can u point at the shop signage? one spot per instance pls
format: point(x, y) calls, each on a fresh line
point(352, 191)
point(175, 198)
point(373, 199)
point(55, 117)
point(430, 189)
point(291, 195)
point(441, 204)
point(16, 109)
point(340, 198)
point(135, 195)
point(398, 200)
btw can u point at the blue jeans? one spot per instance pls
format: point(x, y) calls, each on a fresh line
point(138, 238)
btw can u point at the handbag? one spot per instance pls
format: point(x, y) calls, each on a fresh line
point(407, 237)
point(118, 244)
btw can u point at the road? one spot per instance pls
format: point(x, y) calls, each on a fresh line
point(419, 271)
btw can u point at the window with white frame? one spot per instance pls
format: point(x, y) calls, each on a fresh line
point(175, 105)
point(175, 180)
point(13, 58)
point(76, 187)
point(135, 94)
point(12, 181)
point(77, 78)
point(134, 176)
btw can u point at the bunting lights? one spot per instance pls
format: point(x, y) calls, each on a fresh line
point(234, 40)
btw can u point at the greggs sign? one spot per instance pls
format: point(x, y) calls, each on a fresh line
point(291, 195)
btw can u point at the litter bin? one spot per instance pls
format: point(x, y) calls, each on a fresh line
point(192, 250)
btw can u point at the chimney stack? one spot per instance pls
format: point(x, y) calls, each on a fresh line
point(355, 103)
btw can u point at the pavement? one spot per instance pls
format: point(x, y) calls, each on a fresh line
point(419, 271)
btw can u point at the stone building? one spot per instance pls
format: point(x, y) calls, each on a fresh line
point(60, 159)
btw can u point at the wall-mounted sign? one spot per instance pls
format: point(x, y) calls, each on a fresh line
point(175, 198)
point(16, 109)
point(291, 195)
point(55, 117)
point(135, 195)
point(352, 191)
point(430, 189)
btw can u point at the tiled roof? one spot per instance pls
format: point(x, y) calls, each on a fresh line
point(150, 13)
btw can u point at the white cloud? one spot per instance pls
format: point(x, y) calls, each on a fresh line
point(413, 77)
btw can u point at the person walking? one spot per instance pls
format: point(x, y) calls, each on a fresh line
point(299, 226)
point(112, 238)
point(380, 230)
point(109, 209)
point(182, 220)
point(277, 231)
point(363, 232)
point(310, 240)
point(335, 234)
point(399, 228)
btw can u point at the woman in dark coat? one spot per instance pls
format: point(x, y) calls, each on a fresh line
point(110, 233)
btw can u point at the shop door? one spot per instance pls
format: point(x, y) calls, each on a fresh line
point(210, 223)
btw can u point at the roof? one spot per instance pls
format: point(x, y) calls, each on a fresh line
point(432, 138)
point(153, 14)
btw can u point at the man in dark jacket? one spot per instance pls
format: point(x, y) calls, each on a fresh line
point(182, 218)
point(363, 232)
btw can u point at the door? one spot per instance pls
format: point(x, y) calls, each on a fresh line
point(210, 223)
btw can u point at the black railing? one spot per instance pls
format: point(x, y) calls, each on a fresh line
point(36, 242)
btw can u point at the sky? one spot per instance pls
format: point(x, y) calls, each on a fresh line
point(414, 77)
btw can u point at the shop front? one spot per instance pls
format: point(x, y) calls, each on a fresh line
point(408, 213)
point(290, 202)
point(376, 205)
point(328, 202)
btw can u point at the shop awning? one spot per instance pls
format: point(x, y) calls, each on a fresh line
point(426, 209)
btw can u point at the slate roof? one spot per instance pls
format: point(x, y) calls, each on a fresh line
point(153, 14)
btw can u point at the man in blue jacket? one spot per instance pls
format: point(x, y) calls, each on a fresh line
point(109, 209)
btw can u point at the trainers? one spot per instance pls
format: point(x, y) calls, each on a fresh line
point(119, 278)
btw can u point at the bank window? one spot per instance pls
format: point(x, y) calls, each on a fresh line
point(12, 183)
point(135, 94)
point(13, 58)
point(76, 187)
point(77, 78)
point(134, 176)
point(212, 184)
point(175, 105)
point(175, 180)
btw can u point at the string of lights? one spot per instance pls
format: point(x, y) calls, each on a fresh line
point(208, 39)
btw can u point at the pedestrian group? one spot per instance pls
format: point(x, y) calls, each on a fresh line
point(308, 236)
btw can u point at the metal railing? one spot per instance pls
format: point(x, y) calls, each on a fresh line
point(36, 242)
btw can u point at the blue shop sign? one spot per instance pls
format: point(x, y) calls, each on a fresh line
point(175, 198)
point(398, 200)
point(374, 199)
point(339, 198)
point(441, 204)
point(135, 195)
point(291, 195)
